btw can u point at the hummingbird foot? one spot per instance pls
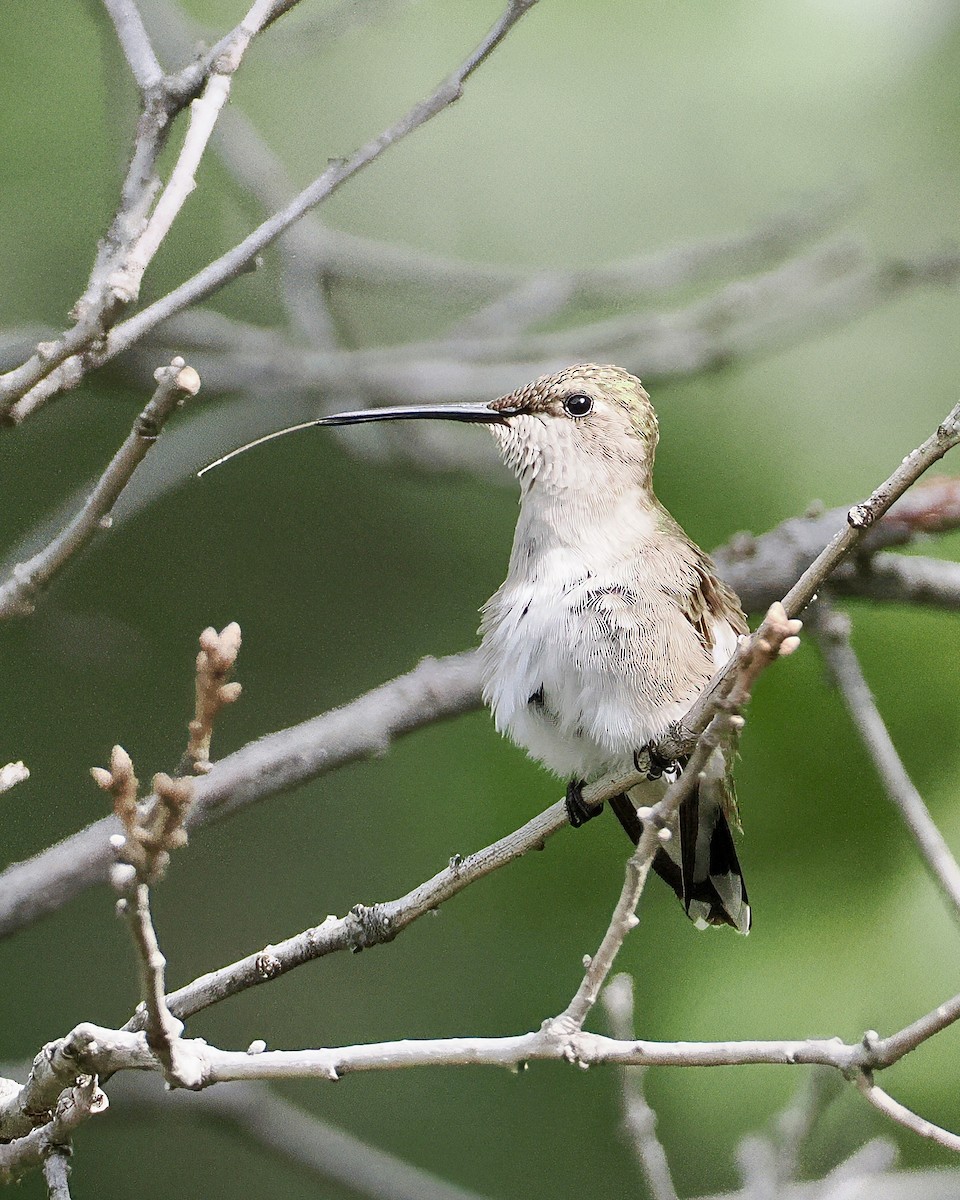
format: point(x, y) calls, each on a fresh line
point(578, 811)
point(656, 765)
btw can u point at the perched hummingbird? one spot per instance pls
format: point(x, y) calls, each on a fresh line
point(610, 621)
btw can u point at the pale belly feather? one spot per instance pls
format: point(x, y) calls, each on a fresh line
point(583, 673)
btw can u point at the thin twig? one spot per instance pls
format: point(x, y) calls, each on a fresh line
point(18, 593)
point(204, 113)
point(833, 635)
point(150, 832)
point(904, 1116)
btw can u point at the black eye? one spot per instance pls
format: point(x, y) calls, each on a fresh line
point(578, 406)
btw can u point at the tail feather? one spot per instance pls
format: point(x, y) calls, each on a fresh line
point(704, 870)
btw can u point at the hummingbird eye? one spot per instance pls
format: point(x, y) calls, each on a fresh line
point(577, 406)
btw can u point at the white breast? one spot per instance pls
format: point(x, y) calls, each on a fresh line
point(585, 659)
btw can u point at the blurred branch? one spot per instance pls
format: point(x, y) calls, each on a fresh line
point(298, 1136)
point(639, 1119)
point(833, 636)
point(916, 581)
point(830, 285)
point(18, 592)
point(338, 255)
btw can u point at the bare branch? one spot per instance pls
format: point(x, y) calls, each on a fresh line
point(94, 1049)
point(833, 635)
point(204, 113)
point(66, 1110)
point(23, 392)
point(18, 592)
point(363, 927)
point(599, 965)
point(135, 43)
point(901, 579)
point(56, 1172)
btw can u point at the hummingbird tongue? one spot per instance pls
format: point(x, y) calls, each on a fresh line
point(478, 414)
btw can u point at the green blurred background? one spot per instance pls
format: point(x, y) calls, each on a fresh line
point(598, 131)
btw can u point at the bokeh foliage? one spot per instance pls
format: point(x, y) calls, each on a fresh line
point(599, 130)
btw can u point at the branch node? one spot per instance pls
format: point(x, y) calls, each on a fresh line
point(267, 965)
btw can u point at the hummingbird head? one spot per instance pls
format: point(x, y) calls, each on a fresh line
point(585, 427)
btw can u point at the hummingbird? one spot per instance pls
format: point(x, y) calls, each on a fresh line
point(610, 621)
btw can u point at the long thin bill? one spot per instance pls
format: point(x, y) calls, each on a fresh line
point(476, 413)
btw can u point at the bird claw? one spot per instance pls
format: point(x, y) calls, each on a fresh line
point(578, 811)
point(657, 766)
